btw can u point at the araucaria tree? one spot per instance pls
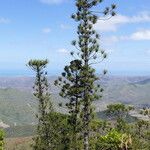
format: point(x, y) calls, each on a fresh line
point(72, 90)
point(89, 54)
point(79, 82)
point(44, 138)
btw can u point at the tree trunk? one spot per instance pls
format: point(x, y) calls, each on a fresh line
point(86, 141)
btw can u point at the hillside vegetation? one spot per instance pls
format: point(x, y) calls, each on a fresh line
point(18, 106)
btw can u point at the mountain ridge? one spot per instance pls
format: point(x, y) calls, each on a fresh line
point(18, 106)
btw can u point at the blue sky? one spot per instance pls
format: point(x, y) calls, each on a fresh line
point(43, 29)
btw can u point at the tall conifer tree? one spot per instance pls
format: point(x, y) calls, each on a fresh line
point(79, 78)
point(89, 54)
point(44, 139)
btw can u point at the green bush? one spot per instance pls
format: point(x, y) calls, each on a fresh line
point(114, 140)
point(1, 140)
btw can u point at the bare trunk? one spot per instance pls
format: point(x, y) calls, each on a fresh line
point(86, 141)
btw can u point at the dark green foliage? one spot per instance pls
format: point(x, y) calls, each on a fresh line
point(140, 135)
point(141, 127)
point(78, 82)
point(71, 89)
point(1, 140)
point(44, 139)
point(146, 112)
point(119, 112)
point(89, 54)
point(59, 130)
point(137, 133)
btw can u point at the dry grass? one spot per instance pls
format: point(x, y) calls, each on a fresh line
point(22, 143)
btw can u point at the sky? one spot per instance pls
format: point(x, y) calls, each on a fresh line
point(40, 29)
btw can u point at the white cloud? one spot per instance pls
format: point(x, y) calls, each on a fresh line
point(52, 1)
point(141, 35)
point(46, 30)
point(4, 20)
point(63, 50)
point(113, 23)
point(64, 26)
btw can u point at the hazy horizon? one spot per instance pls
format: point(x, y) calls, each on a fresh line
point(15, 73)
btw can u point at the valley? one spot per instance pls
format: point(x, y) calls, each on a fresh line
point(18, 106)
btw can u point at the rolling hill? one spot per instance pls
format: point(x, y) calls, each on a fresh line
point(18, 106)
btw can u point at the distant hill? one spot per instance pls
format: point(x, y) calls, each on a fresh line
point(18, 106)
point(146, 81)
point(134, 93)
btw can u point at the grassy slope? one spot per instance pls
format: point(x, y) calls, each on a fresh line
point(16, 107)
point(20, 131)
point(129, 93)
